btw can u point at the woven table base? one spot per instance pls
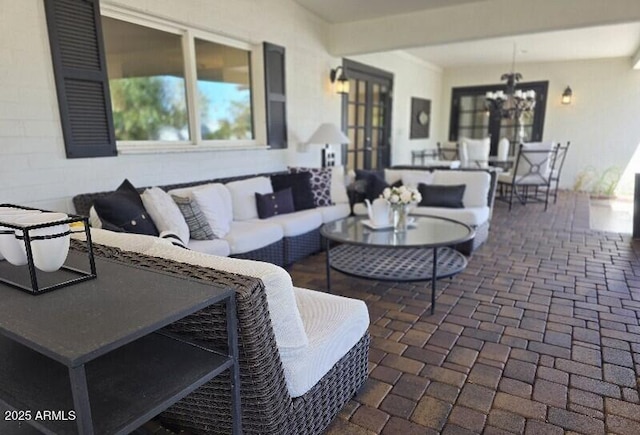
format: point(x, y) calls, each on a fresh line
point(393, 264)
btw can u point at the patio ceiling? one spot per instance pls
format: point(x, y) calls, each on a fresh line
point(484, 31)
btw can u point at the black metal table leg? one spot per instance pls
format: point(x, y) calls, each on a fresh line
point(434, 276)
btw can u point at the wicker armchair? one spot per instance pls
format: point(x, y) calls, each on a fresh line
point(267, 407)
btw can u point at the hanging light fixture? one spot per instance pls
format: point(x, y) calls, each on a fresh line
point(340, 79)
point(512, 102)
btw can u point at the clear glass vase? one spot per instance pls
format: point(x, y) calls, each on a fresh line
point(399, 217)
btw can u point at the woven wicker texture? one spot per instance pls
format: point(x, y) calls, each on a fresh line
point(267, 407)
point(299, 247)
point(394, 264)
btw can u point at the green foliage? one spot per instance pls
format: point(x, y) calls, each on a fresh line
point(598, 183)
point(143, 106)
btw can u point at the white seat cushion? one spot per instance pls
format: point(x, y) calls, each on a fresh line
point(286, 321)
point(214, 247)
point(468, 215)
point(296, 223)
point(334, 212)
point(243, 196)
point(249, 236)
point(124, 241)
point(288, 329)
point(333, 325)
point(477, 183)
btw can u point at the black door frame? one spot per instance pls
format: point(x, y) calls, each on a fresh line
point(357, 70)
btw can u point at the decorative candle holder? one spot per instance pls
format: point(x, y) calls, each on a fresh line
point(43, 239)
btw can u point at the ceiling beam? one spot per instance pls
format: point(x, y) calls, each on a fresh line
point(473, 21)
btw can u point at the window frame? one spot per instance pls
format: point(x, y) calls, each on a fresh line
point(188, 34)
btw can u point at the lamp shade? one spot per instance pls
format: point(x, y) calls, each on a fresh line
point(328, 133)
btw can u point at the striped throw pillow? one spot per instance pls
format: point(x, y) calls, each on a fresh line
point(199, 228)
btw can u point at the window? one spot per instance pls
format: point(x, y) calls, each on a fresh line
point(224, 91)
point(152, 96)
point(470, 118)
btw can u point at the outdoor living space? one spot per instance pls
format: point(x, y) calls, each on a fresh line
point(216, 163)
point(539, 334)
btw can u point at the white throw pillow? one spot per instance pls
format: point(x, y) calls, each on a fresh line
point(413, 178)
point(215, 202)
point(338, 186)
point(243, 196)
point(165, 213)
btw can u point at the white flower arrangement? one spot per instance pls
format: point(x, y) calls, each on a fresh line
point(401, 195)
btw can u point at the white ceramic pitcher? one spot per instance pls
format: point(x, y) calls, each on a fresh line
point(378, 211)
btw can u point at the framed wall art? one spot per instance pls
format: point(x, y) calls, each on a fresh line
point(420, 118)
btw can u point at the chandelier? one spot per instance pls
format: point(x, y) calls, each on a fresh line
point(511, 103)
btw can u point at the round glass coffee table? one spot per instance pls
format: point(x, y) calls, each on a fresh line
point(420, 253)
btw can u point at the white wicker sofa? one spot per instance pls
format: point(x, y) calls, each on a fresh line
point(281, 239)
point(477, 200)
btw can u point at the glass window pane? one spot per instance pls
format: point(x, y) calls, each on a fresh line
point(351, 120)
point(361, 115)
point(224, 91)
point(146, 77)
point(352, 91)
point(362, 91)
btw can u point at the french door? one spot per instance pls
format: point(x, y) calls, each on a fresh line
point(366, 117)
point(470, 118)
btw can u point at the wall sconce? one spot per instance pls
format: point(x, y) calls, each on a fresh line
point(566, 96)
point(342, 85)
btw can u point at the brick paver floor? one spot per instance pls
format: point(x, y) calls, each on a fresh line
point(540, 334)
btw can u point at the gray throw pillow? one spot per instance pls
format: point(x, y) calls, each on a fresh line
point(199, 228)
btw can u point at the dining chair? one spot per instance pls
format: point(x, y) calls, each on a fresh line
point(475, 152)
point(450, 152)
point(531, 176)
point(556, 170)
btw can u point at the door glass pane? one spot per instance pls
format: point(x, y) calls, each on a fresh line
point(351, 115)
point(361, 114)
point(375, 137)
point(362, 91)
point(224, 91)
point(375, 91)
point(353, 90)
point(146, 80)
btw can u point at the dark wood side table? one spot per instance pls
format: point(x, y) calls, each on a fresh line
point(91, 359)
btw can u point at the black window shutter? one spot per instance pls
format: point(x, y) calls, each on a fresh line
point(77, 50)
point(275, 90)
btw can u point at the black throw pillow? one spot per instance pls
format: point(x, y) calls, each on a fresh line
point(438, 195)
point(273, 204)
point(123, 210)
point(300, 184)
point(375, 183)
